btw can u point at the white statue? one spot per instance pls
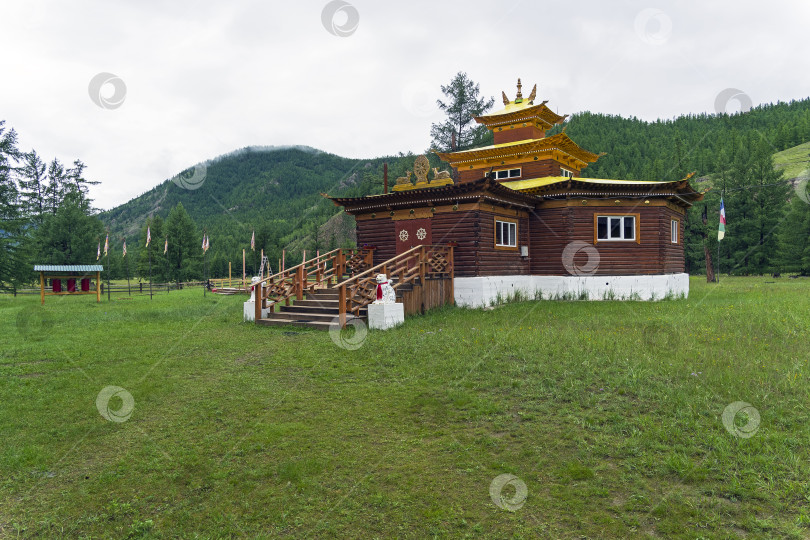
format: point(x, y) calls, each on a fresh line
point(253, 281)
point(385, 293)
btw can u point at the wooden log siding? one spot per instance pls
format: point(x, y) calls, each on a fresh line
point(672, 255)
point(463, 228)
point(629, 258)
point(379, 232)
point(550, 231)
point(529, 169)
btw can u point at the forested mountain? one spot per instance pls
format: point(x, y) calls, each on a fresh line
point(276, 193)
point(272, 191)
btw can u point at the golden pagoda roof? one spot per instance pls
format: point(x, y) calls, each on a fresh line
point(555, 186)
point(521, 110)
point(532, 183)
point(560, 141)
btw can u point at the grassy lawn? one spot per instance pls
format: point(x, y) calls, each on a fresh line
point(795, 161)
point(609, 413)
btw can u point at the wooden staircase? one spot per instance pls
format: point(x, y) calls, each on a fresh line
point(319, 310)
point(336, 287)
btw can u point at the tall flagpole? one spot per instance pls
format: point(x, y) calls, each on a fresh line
point(129, 287)
point(107, 258)
point(168, 279)
point(150, 271)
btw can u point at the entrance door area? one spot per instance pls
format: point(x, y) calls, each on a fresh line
point(411, 233)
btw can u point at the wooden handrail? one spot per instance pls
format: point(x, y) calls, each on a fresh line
point(295, 281)
point(357, 291)
point(388, 262)
point(286, 270)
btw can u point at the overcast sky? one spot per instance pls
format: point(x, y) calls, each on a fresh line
point(196, 79)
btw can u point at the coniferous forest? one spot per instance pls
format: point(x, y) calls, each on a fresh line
point(48, 216)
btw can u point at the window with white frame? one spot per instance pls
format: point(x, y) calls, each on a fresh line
point(616, 228)
point(566, 173)
point(503, 174)
point(674, 225)
point(505, 233)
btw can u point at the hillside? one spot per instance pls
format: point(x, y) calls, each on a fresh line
point(273, 191)
point(276, 191)
point(795, 162)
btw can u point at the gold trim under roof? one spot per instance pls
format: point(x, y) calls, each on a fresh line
point(559, 141)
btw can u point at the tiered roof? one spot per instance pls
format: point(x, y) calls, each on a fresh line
point(560, 142)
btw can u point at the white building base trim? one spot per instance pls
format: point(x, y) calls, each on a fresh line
point(489, 290)
point(385, 316)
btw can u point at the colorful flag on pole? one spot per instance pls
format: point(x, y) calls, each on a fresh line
point(253, 241)
point(203, 242)
point(148, 235)
point(106, 244)
point(207, 243)
point(166, 246)
point(125, 248)
point(721, 233)
point(98, 251)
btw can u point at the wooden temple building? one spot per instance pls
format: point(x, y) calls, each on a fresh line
point(520, 217)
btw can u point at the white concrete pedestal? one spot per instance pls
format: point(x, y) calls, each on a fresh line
point(385, 316)
point(250, 311)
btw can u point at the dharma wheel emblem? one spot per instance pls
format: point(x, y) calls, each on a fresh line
point(403, 235)
point(421, 233)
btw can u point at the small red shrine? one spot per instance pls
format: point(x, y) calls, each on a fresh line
point(522, 218)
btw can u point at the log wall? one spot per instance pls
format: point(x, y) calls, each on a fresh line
point(529, 169)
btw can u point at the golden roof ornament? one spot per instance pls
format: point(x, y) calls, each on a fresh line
point(533, 94)
point(505, 99)
point(519, 96)
point(421, 166)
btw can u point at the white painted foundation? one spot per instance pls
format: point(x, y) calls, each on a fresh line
point(489, 290)
point(385, 316)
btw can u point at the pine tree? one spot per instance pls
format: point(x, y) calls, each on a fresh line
point(13, 267)
point(459, 131)
point(185, 249)
point(71, 235)
point(33, 183)
point(56, 189)
point(770, 193)
point(155, 226)
point(794, 239)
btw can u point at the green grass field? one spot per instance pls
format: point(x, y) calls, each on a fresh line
point(794, 161)
point(609, 413)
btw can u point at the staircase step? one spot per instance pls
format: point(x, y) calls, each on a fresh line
point(318, 325)
point(315, 309)
point(328, 294)
point(326, 304)
point(306, 316)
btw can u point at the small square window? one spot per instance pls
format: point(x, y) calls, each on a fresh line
point(615, 227)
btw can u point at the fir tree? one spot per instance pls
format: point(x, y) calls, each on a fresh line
point(185, 246)
point(459, 131)
point(13, 267)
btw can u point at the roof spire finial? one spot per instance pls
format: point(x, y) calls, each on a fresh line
point(519, 94)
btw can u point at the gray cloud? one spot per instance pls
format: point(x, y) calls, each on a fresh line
point(206, 78)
